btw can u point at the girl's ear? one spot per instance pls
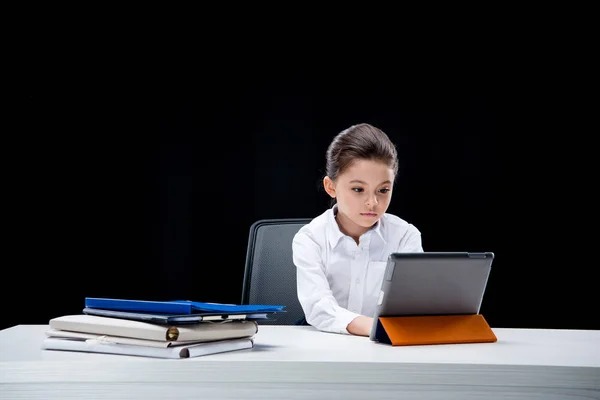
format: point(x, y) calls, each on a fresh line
point(329, 186)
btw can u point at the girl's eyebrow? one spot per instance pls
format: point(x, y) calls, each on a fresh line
point(364, 183)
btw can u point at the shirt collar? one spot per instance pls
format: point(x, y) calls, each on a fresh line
point(378, 229)
point(335, 235)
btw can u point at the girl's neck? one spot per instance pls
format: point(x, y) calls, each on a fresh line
point(347, 227)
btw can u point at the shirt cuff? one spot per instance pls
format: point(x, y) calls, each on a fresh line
point(343, 319)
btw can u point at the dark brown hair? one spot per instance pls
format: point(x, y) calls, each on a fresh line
point(359, 142)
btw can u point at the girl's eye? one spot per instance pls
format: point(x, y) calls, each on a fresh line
point(384, 190)
point(357, 190)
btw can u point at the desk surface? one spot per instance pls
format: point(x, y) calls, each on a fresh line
point(301, 362)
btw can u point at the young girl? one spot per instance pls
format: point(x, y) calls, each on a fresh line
point(342, 254)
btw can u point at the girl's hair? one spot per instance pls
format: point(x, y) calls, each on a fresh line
point(359, 142)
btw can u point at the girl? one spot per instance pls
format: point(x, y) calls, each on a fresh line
point(341, 255)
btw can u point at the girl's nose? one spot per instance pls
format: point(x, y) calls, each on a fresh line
point(372, 201)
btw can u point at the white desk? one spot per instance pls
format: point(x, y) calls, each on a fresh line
point(293, 362)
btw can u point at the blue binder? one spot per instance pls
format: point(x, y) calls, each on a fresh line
point(178, 306)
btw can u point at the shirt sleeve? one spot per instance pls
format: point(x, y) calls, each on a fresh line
point(321, 310)
point(411, 242)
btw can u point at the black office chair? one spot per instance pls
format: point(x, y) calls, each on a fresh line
point(270, 274)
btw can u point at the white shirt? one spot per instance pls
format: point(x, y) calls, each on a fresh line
point(339, 280)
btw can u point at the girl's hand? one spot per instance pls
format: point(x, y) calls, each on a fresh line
point(360, 326)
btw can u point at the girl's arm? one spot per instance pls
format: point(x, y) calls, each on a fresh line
point(321, 310)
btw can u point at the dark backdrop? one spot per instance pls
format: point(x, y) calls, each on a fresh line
point(142, 183)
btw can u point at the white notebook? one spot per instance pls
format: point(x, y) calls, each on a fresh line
point(56, 333)
point(202, 331)
point(105, 346)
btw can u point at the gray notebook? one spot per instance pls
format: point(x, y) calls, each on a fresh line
point(433, 283)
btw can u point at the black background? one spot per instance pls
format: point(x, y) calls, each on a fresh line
point(137, 174)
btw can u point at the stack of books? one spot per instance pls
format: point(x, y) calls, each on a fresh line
point(160, 329)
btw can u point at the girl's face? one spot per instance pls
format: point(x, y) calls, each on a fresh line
point(363, 192)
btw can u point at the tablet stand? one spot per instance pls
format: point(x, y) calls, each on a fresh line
point(435, 329)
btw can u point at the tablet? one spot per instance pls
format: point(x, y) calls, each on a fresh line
point(430, 283)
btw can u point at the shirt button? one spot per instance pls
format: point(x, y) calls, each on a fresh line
point(358, 281)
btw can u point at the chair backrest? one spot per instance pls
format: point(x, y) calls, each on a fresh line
point(270, 274)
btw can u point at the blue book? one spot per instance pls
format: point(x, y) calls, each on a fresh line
point(178, 306)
